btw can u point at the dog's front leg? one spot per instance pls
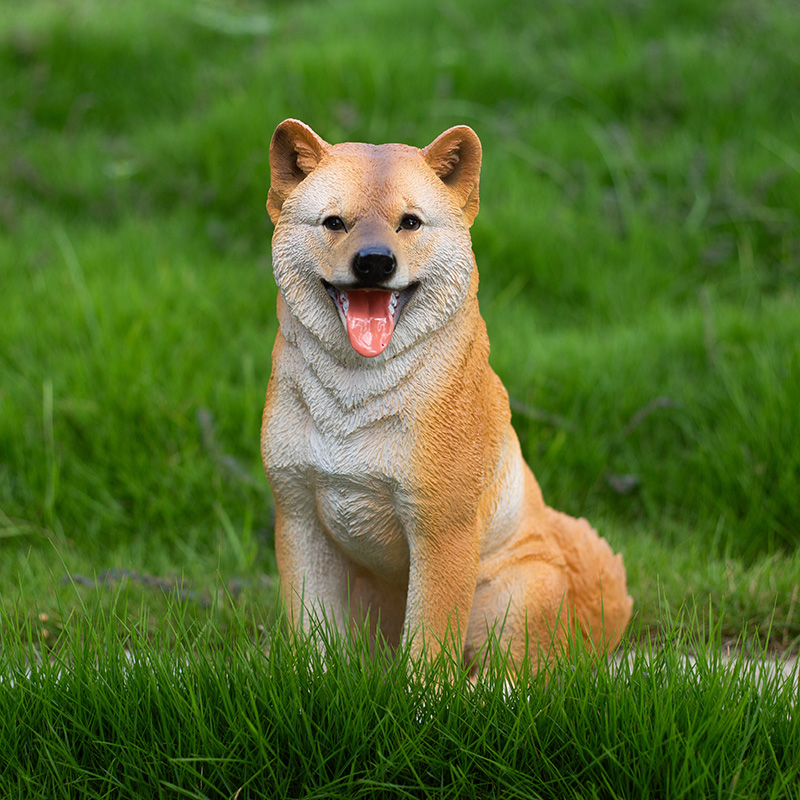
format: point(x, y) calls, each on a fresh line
point(314, 572)
point(443, 573)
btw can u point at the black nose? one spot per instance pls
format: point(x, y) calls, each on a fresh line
point(374, 264)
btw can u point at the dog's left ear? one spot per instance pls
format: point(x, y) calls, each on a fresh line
point(294, 152)
point(455, 156)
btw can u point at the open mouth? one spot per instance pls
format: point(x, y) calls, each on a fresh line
point(369, 315)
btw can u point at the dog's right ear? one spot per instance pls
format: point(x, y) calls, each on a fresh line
point(294, 152)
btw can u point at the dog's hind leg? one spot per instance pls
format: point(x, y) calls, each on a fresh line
point(522, 608)
point(530, 598)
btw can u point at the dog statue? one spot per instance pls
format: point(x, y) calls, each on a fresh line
point(400, 489)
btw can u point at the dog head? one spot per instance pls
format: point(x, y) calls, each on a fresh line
point(371, 250)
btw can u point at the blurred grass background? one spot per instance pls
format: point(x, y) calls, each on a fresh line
point(639, 249)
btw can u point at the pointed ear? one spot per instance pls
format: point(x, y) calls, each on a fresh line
point(294, 153)
point(455, 156)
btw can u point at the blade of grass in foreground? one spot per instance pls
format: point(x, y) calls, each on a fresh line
point(116, 713)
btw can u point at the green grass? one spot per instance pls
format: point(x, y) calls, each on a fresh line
point(639, 249)
point(638, 245)
point(208, 714)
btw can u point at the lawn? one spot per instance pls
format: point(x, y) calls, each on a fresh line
point(222, 718)
point(639, 250)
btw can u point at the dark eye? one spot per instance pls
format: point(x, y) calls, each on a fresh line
point(333, 224)
point(410, 223)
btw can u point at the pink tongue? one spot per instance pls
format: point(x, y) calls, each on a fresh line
point(369, 321)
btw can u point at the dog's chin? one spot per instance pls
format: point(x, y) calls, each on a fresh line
point(391, 302)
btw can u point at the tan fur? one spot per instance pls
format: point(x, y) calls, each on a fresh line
point(400, 489)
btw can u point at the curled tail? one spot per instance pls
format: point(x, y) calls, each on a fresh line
point(597, 587)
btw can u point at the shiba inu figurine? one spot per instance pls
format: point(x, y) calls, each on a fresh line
point(400, 489)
